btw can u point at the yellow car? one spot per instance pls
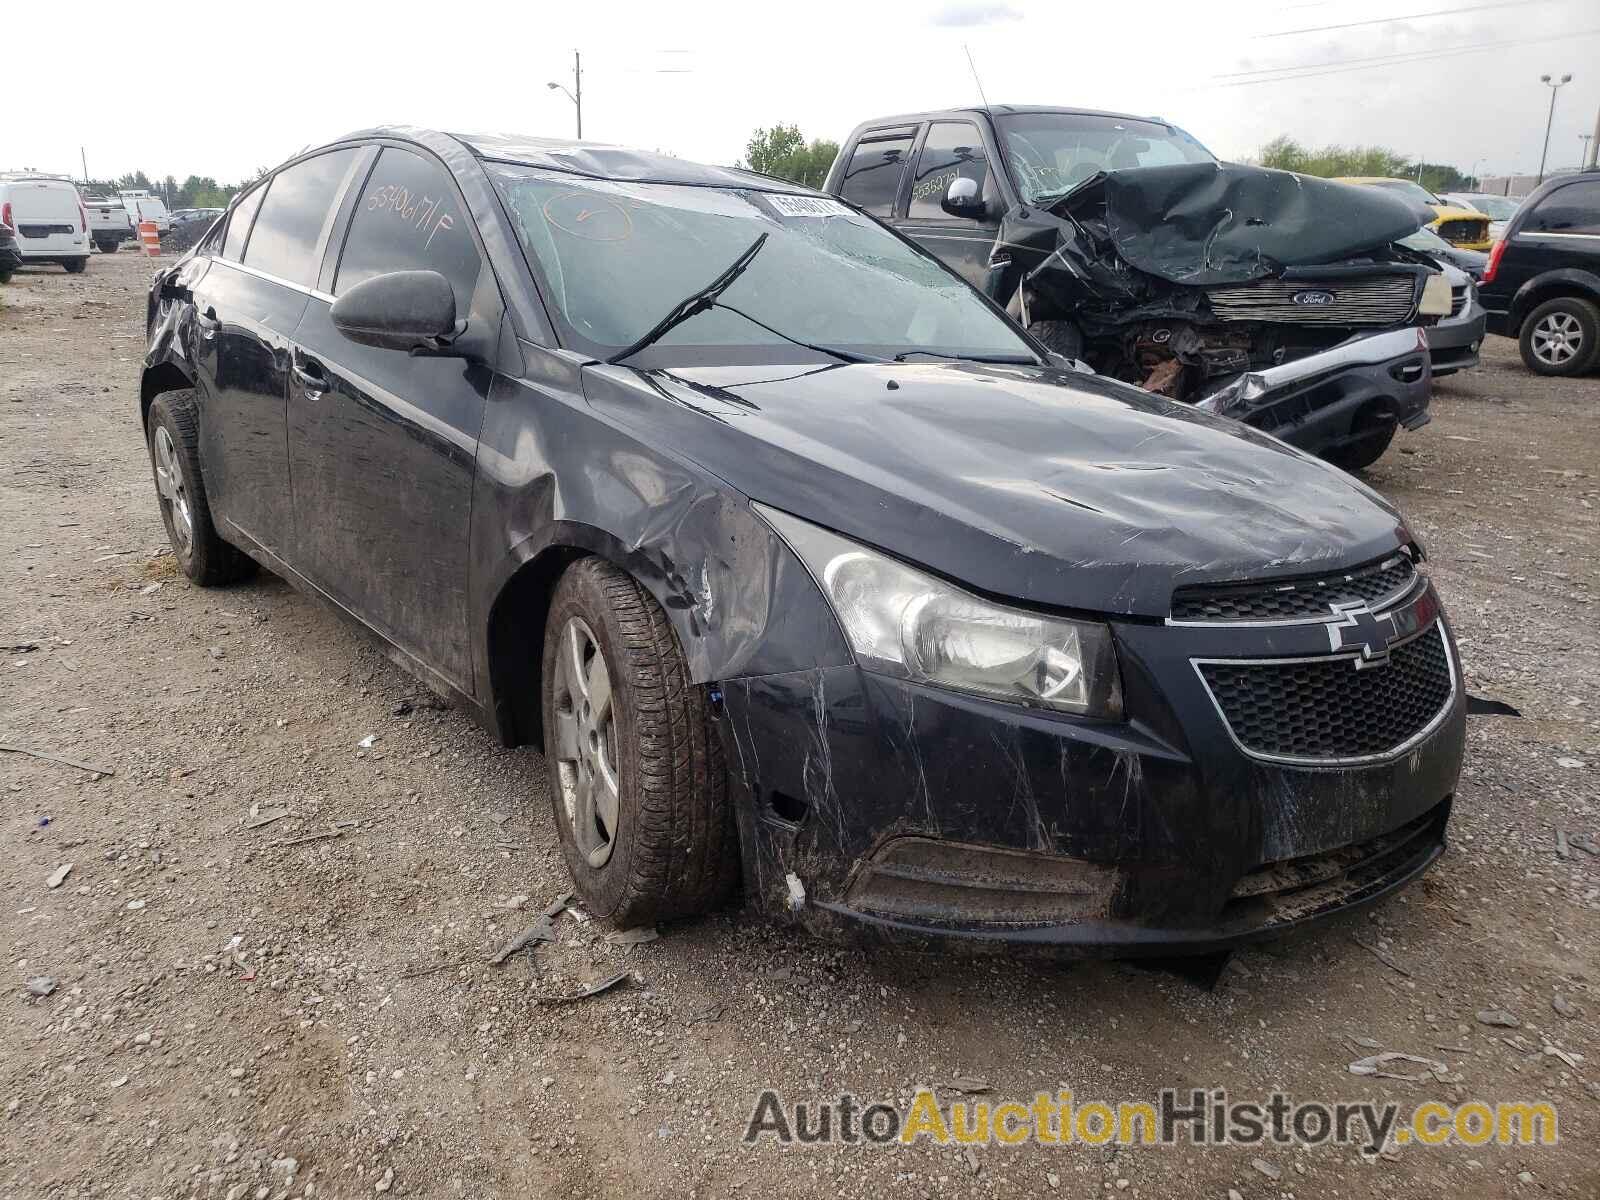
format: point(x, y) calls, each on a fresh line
point(1461, 227)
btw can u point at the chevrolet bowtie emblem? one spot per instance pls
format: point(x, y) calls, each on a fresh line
point(1357, 627)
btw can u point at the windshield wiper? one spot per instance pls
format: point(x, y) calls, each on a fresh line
point(695, 304)
point(849, 356)
point(1023, 359)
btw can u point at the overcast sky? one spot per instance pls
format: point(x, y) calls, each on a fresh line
point(221, 90)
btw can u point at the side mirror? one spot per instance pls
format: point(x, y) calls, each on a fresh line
point(963, 198)
point(401, 310)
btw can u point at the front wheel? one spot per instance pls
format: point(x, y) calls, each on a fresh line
point(1561, 337)
point(637, 783)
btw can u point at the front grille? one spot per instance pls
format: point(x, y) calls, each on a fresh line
point(1376, 583)
point(1366, 300)
point(1324, 709)
point(1458, 300)
point(40, 231)
point(1464, 229)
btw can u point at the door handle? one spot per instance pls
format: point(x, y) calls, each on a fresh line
point(313, 379)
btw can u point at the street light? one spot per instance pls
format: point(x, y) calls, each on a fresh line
point(577, 82)
point(1554, 86)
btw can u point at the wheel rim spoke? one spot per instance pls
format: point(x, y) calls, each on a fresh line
point(170, 487)
point(567, 737)
point(598, 689)
point(584, 734)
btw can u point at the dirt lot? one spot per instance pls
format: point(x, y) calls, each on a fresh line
point(243, 1012)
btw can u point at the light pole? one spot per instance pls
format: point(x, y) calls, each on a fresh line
point(1555, 85)
point(577, 82)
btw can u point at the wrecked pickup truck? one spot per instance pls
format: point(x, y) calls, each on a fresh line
point(1280, 300)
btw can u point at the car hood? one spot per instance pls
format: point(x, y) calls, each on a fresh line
point(1042, 485)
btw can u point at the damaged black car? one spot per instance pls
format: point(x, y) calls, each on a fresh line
point(1278, 299)
point(808, 571)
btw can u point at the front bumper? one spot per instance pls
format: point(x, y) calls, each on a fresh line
point(1454, 343)
point(906, 811)
point(1322, 401)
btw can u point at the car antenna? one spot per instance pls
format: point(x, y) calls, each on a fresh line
point(975, 79)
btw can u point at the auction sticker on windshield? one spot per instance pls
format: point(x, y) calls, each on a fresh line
point(808, 206)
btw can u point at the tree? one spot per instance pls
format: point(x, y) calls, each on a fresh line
point(782, 151)
point(134, 181)
point(1286, 154)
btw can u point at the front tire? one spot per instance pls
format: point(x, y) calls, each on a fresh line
point(172, 434)
point(638, 787)
point(1561, 337)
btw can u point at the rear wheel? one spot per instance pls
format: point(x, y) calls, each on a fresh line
point(1561, 337)
point(107, 247)
point(76, 266)
point(637, 783)
point(172, 431)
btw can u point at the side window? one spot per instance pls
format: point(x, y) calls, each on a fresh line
point(1574, 208)
point(953, 150)
point(244, 214)
point(298, 207)
point(409, 218)
point(872, 179)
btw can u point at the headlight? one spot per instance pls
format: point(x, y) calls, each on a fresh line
point(904, 623)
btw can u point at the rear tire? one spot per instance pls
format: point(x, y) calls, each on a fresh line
point(76, 266)
point(1368, 447)
point(107, 247)
point(639, 792)
point(1561, 337)
point(5, 277)
point(172, 436)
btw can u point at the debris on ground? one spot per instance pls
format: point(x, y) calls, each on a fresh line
point(1374, 1064)
point(1499, 1018)
point(97, 772)
point(1382, 955)
point(541, 931)
point(264, 816)
point(972, 1085)
point(368, 742)
point(1266, 1168)
point(633, 937)
point(605, 985)
point(1563, 1006)
point(41, 985)
point(59, 876)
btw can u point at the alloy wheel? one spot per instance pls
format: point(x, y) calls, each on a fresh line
point(174, 493)
point(1557, 338)
point(585, 753)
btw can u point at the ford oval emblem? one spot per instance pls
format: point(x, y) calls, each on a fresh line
point(1313, 298)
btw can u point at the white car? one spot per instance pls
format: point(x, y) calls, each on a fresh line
point(51, 223)
point(1499, 209)
point(146, 206)
point(109, 223)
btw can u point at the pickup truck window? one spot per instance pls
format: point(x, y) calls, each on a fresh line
point(872, 179)
point(614, 258)
point(1051, 153)
point(952, 150)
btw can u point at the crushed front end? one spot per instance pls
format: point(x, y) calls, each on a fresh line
point(1287, 750)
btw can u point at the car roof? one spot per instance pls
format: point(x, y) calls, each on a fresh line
point(1372, 179)
point(594, 160)
point(996, 110)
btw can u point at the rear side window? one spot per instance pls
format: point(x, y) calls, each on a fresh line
point(952, 150)
point(872, 179)
point(298, 209)
point(239, 224)
point(1574, 208)
point(409, 218)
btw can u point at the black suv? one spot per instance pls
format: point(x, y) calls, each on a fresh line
point(802, 563)
point(1542, 285)
point(1281, 300)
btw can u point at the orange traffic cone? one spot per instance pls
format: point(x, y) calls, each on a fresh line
point(149, 238)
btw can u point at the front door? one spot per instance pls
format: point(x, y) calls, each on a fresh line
point(954, 150)
point(382, 444)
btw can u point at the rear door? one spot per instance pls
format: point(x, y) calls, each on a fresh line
point(382, 444)
point(1563, 230)
point(954, 150)
point(247, 306)
point(876, 168)
point(49, 219)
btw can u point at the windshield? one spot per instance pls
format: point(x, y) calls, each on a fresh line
point(615, 258)
point(1051, 153)
point(1411, 191)
point(1425, 239)
point(1496, 208)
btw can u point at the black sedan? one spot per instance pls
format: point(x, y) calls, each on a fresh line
point(805, 568)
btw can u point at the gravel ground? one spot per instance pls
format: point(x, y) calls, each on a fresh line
point(243, 1011)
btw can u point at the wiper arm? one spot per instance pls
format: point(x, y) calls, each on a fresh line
point(848, 356)
point(980, 358)
point(695, 304)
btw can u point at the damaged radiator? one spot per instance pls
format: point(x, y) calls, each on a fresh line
point(1367, 301)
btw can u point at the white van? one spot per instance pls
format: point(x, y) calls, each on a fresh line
point(146, 206)
point(51, 224)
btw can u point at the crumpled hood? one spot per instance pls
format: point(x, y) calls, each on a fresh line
point(1039, 484)
point(1209, 223)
